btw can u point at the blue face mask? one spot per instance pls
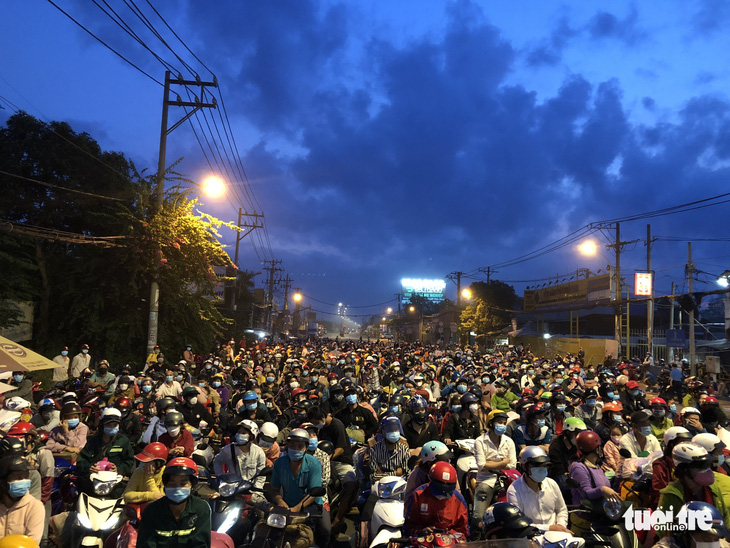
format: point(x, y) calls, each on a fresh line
point(392, 437)
point(591, 402)
point(270, 379)
point(634, 392)
point(216, 384)
point(618, 418)
point(111, 431)
point(673, 408)
point(64, 352)
point(461, 388)
point(395, 409)
point(312, 444)
point(73, 423)
point(530, 371)
point(295, 455)
point(538, 474)
point(315, 378)
point(720, 460)
point(540, 423)
point(146, 388)
point(645, 431)
point(560, 408)
point(252, 406)
point(241, 439)
point(615, 397)
point(177, 494)
point(85, 351)
point(609, 395)
point(168, 378)
point(351, 399)
point(201, 384)
point(18, 378)
point(500, 429)
point(456, 408)
point(18, 489)
point(179, 377)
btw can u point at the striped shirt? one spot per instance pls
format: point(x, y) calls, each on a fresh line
point(385, 462)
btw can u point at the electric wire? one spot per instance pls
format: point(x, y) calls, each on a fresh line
point(51, 185)
point(309, 297)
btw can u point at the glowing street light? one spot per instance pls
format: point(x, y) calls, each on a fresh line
point(466, 294)
point(390, 310)
point(213, 186)
point(384, 318)
point(723, 280)
point(588, 248)
point(297, 297)
point(412, 309)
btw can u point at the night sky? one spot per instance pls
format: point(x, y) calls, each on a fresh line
point(410, 139)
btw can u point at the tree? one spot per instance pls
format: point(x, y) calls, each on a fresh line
point(491, 309)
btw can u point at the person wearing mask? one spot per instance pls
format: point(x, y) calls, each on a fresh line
point(223, 392)
point(493, 451)
point(690, 419)
point(632, 400)
point(124, 389)
point(108, 443)
point(659, 420)
point(503, 397)
point(170, 388)
point(395, 407)
point(152, 357)
point(711, 537)
point(432, 452)
point(358, 420)
point(485, 408)
point(715, 448)
point(103, 379)
point(188, 355)
point(677, 379)
point(179, 518)
point(145, 485)
point(563, 451)
point(558, 413)
point(612, 451)
point(324, 528)
point(712, 416)
point(463, 425)
point(437, 505)
point(417, 428)
point(70, 436)
point(695, 481)
point(178, 440)
point(252, 409)
point(268, 432)
point(20, 512)
point(389, 456)
point(60, 373)
point(527, 380)
point(23, 387)
point(663, 468)
point(48, 415)
point(610, 416)
point(535, 431)
point(588, 411)
point(587, 471)
point(537, 495)
point(81, 361)
point(156, 426)
point(639, 441)
point(194, 412)
point(131, 425)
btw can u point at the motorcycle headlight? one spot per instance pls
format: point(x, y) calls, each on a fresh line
point(612, 509)
point(230, 520)
point(84, 521)
point(276, 520)
point(385, 489)
point(227, 489)
point(103, 487)
point(109, 524)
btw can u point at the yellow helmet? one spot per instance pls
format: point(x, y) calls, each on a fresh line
point(18, 541)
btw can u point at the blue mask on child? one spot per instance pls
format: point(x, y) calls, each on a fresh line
point(312, 444)
point(351, 399)
point(18, 378)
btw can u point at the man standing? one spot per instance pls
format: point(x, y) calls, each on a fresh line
point(81, 361)
point(60, 374)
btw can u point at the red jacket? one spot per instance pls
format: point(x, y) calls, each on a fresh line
point(425, 510)
point(662, 469)
point(185, 440)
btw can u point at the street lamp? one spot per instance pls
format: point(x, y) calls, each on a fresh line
point(213, 186)
point(723, 280)
point(389, 310)
point(589, 248)
point(466, 294)
point(411, 308)
point(297, 297)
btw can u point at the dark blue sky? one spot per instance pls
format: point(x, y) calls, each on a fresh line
point(414, 138)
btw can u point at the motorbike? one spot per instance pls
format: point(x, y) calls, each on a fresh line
point(388, 515)
point(97, 516)
point(466, 469)
point(441, 539)
point(600, 522)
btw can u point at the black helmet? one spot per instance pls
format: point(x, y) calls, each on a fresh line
point(12, 446)
point(13, 463)
point(303, 406)
point(190, 391)
point(327, 447)
point(70, 408)
point(504, 520)
point(469, 398)
point(396, 399)
point(476, 391)
point(174, 418)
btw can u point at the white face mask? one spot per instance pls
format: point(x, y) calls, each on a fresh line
point(193, 400)
point(123, 387)
point(173, 431)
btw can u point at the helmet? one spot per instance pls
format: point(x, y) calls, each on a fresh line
point(326, 446)
point(590, 394)
point(21, 429)
point(718, 524)
point(165, 403)
point(574, 424)
point(111, 414)
point(48, 404)
point(174, 418)
point(676, 433)
point(691, 453)
point(252, 383)
point(299, 434)
point(632, 385)
point(11, 446)
point(476, 391)
point(532, 454)
point(588, 441)
point(527, 391)
point(657, 402)
point(709, 441)
point(294, 393)
point(250, 395)
point(688, 410)
point(419, 402)
point(304, 406)
point(442, 472)
point(396, 399)
point(534, 411)
point(505, 520)
point(523, 402)
point(123, 404)
point(71, 408)
point(269, 431)
point(431, 450)
point(16, 403)
point(180, 465)
point(250, 426)
point(496, 414)
point(153, 451)
point(18, 541)
point(613, 407)
point(469, 398)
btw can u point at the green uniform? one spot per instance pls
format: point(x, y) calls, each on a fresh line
point(502, 402)
point(119, 452)
point(158, 528)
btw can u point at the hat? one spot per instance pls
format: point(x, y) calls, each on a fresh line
point(689, 410)
point(632, 384)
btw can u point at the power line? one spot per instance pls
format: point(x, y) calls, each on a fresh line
point(348, 306)
point(60, 187)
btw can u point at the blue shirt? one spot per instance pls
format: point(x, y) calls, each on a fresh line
point(676, 374)
point(294, 488)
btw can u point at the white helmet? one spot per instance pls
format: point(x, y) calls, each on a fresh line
point(16, 403)
point(676, 432)
point(110, 414)
point(251, 426)
point(532, 454)
point(269, 431)
point(690, 453)
point(709, 441)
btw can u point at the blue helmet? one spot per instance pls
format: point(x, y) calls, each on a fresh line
point(417, 402)
point(250, 395)
point(434, 449)
point(392, 423)
point(717, 525)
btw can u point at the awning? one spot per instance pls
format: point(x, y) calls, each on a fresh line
point(16, 357)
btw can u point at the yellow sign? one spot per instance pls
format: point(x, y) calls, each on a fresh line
point(15, 357)
point(585, 292)
point(643, 284)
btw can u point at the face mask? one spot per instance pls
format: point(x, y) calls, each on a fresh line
point(216, 362)
point(177, 494)
point(540, 423)
point(265, 444)
point(456, 408)
point(705, 477)
point(485, 380)
point(123, 387)
point(18, 378)
point(531, 372)
point(500, 429)
point(560, 408)
point(538, 474)
point(216, 384)
point(341, 362)
point(85, 351)
point(73, 423)
point(591, 402)
point(305, 374)
point(673, 408)
point(315, 378)
point(208, 366)
point(645, 431)
point(461, 388)
point(18, 489)
point(160, 360)
point(189, 347)
point(193, 400)
point(179, 378)
point(312, 444)
point(168, 378)
point(392, 437)
point(395, 409)
point(295, 455)
point(111, 431)
point(351, 399)
point(201, 384)
point(146, 388)
point(64, 352)
point(293, 385)
point(252, 406)
point(420, 418)
point(473, 408)
point(173, 431)
point(241, 439)
point(658, 413)
point(634, 392)
point(616, 439)
point(348, 375)
point(618, 418)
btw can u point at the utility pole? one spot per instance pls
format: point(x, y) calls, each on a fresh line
point(272, 270)
point(671, 323)
point(650, 302)
point(488, 271)
point(398, 296)
point(690, 278)
point(232, 271)
point(195, 105)
point(287, 284)
point(456, 278)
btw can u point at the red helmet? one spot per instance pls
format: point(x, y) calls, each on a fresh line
point(442, 471)
point(181, 465)
point(657, 402)
point(613, 406)
point(297, 391)
point(632, 384)
point(332, 376)
point(587, 441)
point(123, 404)
point(21, 429)
point(153, 451)
point(527, 392)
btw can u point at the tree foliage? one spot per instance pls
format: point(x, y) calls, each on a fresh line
point(490, 309)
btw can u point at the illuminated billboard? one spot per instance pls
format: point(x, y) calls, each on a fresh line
point(433, 290)
point(643, 284)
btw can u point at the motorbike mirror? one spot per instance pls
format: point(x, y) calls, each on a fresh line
point(625, 453)
point(317, 492)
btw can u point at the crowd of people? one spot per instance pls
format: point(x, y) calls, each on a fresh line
point(348, 413)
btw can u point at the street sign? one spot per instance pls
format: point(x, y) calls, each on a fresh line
point(643, 284)
point(676, 338)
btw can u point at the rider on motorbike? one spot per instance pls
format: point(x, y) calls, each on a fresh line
point(588, 473)
point(431, 453)
point(48, 415)
point(242, 457)
point(506, 521)
point(107, 443)
point(71, 435)
point(145, 485)
point(20, 512)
